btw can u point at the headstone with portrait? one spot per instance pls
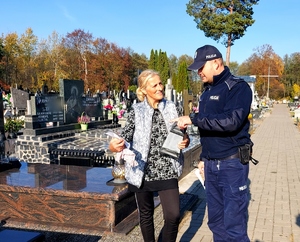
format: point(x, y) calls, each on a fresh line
point(71, 92)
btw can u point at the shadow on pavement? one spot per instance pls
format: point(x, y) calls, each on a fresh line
point(198, 211)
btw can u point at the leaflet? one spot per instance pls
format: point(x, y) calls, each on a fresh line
point(114, 135)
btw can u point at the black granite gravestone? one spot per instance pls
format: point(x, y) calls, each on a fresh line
point(47, 108)
point(93, 106)
point(72, 91)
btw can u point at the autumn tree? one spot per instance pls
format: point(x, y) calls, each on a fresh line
point(296, 90)
point(139, 64)
point(244, 69)
point(19, 59)
point(112, 65)
point(27, 65)
point(104, 66)
point(291, 74)
point(121, 67)
point(101, 48)
point(77, 55)
point(2, 54)
point(222, 20)
point(79, 44)
point(233, 66)
point(263, 63)
point(10, 60)
point(49, 61)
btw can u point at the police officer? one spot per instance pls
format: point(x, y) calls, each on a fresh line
point(224, 127)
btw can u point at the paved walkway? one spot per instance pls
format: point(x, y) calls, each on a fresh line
point(274, 211)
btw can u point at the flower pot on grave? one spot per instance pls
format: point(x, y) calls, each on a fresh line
point(84, 127)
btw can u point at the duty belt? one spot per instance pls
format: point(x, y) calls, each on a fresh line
point(234, 156)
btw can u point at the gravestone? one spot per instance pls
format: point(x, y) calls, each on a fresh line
point(44, 109)
point(19, 100)
point(169, 91)
point(92, 106)
point(76, 103)
point(72, 91)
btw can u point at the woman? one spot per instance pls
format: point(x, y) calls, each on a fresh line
point(147, 127)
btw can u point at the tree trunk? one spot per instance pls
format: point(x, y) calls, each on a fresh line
point(228, 50)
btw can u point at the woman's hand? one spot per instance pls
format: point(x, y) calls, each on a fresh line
point(116, 145)
point(185, 142)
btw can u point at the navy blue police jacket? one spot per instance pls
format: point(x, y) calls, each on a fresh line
point(222, 119)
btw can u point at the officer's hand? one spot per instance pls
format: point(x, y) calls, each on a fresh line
point(182, 122)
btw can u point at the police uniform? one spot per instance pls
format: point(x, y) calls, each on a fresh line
point(224, 127)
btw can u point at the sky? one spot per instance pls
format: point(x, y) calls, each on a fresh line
point(143, 25)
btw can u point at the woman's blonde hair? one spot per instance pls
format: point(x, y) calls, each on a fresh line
point(142, 82)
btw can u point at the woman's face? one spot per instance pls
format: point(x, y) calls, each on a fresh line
point(154, 91)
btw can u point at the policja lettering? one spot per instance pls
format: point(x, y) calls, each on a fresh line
point(214, 98)
point(211, 56)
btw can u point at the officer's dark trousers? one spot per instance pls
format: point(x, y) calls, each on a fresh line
point(227, 193)
point(169, 200)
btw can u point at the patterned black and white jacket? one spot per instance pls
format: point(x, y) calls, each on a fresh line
point(146, 129)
